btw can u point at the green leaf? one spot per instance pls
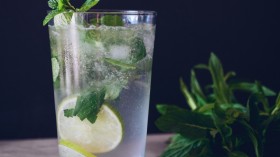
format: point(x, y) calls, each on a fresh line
point(183, 147)
point(189, 124)
point(88, 104)
point(201, 66)
point(277, 105)
point(229, 75)
point(206, 109)
point(254, 116)
point(222, 92)
point(262, 98)
point(189, 98)
point(237, 154)
point(251, 87)
point(254, 138)
point(87, 5)
point(51, 15)
point(164, 109)
point(220, 120)
point(69, 112)
point(196, 90)
point(138, 51)
point(60, 5)
point(112, 20)
point(120, 64)
point(53, 4)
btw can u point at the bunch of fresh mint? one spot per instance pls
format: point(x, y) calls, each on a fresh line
point(62, 6)
point(219, 125)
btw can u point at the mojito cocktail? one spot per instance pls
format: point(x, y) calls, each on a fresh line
point(101, 64)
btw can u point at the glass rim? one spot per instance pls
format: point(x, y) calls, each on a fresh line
point(118, 12)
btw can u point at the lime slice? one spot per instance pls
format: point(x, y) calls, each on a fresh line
point(102, 136)
point(69, 149)
point(55, 69)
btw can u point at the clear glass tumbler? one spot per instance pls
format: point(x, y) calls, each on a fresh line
point(101, 64)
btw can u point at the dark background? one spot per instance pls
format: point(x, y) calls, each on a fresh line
point(244, 34)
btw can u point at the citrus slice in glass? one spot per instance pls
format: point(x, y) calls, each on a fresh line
point(69, 149)
point(102, 136)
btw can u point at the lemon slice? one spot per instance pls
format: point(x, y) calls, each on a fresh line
point(102, 136)
point(68, 149)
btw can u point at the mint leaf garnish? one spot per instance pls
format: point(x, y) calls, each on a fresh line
point(87, 106)
point(53, 4)
point(88, 5)
point(60, 6)
point(51, 15)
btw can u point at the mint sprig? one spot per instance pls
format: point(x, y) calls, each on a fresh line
point(61, 6)
point(218, 124)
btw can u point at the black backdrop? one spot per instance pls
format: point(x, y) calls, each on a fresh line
point(243, 33)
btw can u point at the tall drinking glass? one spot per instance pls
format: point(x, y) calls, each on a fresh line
point(101, 64)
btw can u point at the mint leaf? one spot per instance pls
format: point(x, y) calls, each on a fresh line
point(163, 109)
point(229, 75)
point(196, 90)
point(277, 105)
point(88, 105)
point(68, 112)
point(183, 147)
point(201, 66)
point(237, 154)
point(254, 116)
point(119, 64)
point(53, 4)
point(60, 6)
point(187, 123)
point(262, 98)
point(251, 87)
point(51, 15)
point(87, 5)
point(138, 51)
point(188, 96)
point(220, 87)
point(112, 20)
point(220, 120)
point(254, 139)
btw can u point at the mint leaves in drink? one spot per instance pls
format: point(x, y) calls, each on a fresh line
point(87, 106)
point(64, 6)
point(219, 124)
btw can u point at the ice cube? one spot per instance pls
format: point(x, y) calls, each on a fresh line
point(119, 52)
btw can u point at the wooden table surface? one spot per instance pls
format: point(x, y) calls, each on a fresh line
point(48, 147)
